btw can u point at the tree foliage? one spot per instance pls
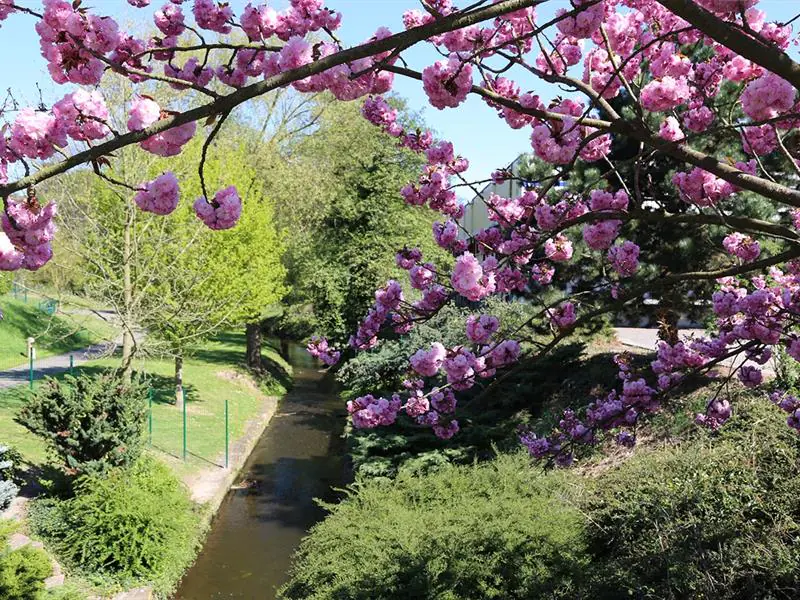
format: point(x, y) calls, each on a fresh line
point(345, 223)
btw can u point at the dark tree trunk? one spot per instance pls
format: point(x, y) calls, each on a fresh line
point(179, 381)
point(668, 325)
point(254, 339)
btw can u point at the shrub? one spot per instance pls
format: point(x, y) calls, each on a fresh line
point(65, 593)
point(489, 531)
point(710, 519)
point(129, 525)
point(22, 571)
point(91, 422)
point(9, 461)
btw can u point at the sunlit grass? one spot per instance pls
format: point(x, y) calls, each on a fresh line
point(54, 334)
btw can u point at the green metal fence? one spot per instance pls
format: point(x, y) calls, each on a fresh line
point(170, 429)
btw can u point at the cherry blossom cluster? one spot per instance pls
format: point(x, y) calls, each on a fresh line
point(159, 196)
point(318, 347)
point(27, 230)
point(753, 318)
point(222, 212)
point(790, 405)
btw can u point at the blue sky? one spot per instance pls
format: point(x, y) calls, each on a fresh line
point(474, 127)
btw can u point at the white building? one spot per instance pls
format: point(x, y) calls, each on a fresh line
point(476, 217)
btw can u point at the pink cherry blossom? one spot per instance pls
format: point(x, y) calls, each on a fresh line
point(670, 130)
point(624, 258)
point(469, 278)
point(295, 54)
point(259, 22)
point(36, 134)
point(83, 115)
point(584, 23)
point(599, 236)
point(223, 212)
point(447, 82)
point(767, 97)
point(563, 316)
point(212, 15)
point(159, 196)
point(428, 363)
point(169, 19)
point(558, 249)
point(664, 94)
point(481, 328)
point(143, 113)
point(742, 246)
point(171, 141)
point(759, 140)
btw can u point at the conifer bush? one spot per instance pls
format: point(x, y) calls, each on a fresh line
point(9, 488)
point(707, 519)
point(464, 532)
point(91, 423)
point(22, 571)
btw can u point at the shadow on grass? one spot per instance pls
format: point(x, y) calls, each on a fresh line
point(163, 388)
point(165, 451)
point(227, 348)
point(204, 459)
point(23, 320)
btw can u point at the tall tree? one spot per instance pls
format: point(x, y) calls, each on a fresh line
point(347, 221)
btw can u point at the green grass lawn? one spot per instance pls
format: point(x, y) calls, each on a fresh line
point(211, 376)
point(55, 334)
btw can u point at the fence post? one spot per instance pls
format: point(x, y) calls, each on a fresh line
point(226, 433)
point(31, 341)
point(183, 396)
point(150, 417)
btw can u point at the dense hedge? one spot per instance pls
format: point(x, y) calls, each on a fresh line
point(716, 516)
point(129, 525)
point(492, 531)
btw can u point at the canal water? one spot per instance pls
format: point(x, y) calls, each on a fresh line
point(299, 458)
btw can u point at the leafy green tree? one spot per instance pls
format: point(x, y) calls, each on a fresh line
point(346, 223)
point(171, 281)
point(227, 278)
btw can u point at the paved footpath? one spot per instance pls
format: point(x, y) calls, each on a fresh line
point(52, 365)
point(648, 338)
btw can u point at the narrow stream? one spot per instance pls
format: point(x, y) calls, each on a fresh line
point(298, 458)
